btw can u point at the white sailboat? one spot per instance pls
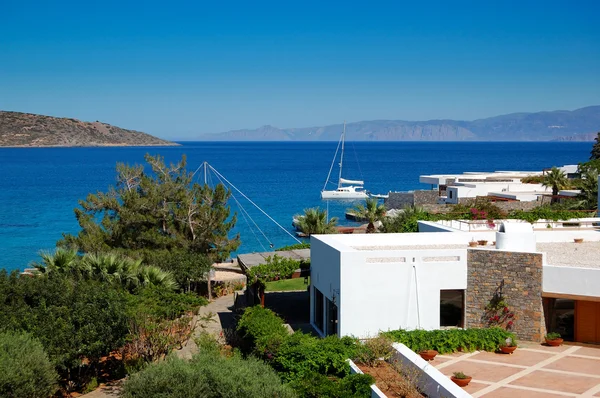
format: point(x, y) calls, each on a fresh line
point(347, 189)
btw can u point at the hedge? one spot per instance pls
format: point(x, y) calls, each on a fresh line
point(261, 330)
point(451, 340)
point(301, 354)
point(25, 370)
point(207, 375)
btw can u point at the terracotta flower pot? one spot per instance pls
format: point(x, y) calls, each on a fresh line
point(578, 240)
point(473, 244)
point(461, 382)
point(428, 355)
point(482, 242)
point(554, 342)
point(508, 349)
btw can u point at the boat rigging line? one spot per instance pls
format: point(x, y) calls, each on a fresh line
point(332, 163)
point(222, 178)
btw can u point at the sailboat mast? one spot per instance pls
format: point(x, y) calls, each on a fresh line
point(342, 157)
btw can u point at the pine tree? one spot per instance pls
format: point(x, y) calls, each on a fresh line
point(596, 148)
point(158, 216)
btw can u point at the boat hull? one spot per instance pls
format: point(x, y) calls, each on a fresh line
point(343, 195)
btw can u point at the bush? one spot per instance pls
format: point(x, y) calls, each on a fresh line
point(297, 246)
point(448, 341)
point(163, 303)
point(373, 350)
point(275, 268)
point(302, 354)
point(546, 212)
point(207, 375)
point(25, 370)
point(261, 330)
point(73, 319)
point(315, 385)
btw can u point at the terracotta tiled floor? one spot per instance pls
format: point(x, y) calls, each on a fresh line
point(532, 371)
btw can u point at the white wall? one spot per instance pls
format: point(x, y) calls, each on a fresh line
point(571, 281)
point(393, 289)
point(324, 274)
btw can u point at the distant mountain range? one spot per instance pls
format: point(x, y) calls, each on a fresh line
point(578, 125)
point(29, 130)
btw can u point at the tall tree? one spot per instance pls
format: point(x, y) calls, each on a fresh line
point(557, 180)
point(372, 211)
point(588, 185)
point(157, 212)
point(596, 148)
point(314, 221)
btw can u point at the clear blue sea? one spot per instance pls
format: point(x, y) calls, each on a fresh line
point(39, 187)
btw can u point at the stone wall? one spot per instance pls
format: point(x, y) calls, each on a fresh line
point(426, 197)
point(517, 277)
point(399, 200)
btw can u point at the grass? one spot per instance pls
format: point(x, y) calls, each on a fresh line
point(286, 284)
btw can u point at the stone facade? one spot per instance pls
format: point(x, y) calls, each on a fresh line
point(426, 197)
point(517, 277)
point(399, 200)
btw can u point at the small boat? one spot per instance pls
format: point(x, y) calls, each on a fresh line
point(347, 189)
point(379, 196)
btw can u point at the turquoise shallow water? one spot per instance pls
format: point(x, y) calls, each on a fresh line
point(39, 187)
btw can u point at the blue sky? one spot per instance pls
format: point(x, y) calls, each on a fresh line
point(180, 69)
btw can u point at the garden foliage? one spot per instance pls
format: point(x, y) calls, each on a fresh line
point(275, 268)
point(207, 375)
point(261, 330)
point(452, 340)
point(25, 370)
point(301, 354)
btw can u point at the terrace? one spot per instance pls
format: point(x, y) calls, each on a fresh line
point(533, 370)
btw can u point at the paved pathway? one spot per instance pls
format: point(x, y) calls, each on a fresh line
point(212, 318)
point(532, 371)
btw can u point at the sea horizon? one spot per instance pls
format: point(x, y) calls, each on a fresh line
point(42, 186)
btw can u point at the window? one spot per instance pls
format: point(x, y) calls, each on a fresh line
point(450, 194)
point(318, 309)
point(452, 308)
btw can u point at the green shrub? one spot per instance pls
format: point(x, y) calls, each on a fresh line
point(261, 331)
point(546, 212)
point(301, 354)
point(553, 336)
point(447, 341)
point(316, 385)
point(373, 350)
point(73, 319)
point(297, 246)
point(25, 370)
point(207, 375)
point(275, 268)
point(163, 303)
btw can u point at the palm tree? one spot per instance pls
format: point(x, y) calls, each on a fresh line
point(152, 276)
point(61, 261)
point(557, 180)
point(589, 189)
point(372, 211)
point(124, 271)
point(314, 221)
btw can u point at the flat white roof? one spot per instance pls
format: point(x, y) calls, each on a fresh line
point(572, 254)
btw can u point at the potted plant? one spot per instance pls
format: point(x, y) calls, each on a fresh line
point(578, 240)
point(482, 242)
point(428, 355)
point(473, 243)
point(554, 339)
point(460, 379)
point(509, 347)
